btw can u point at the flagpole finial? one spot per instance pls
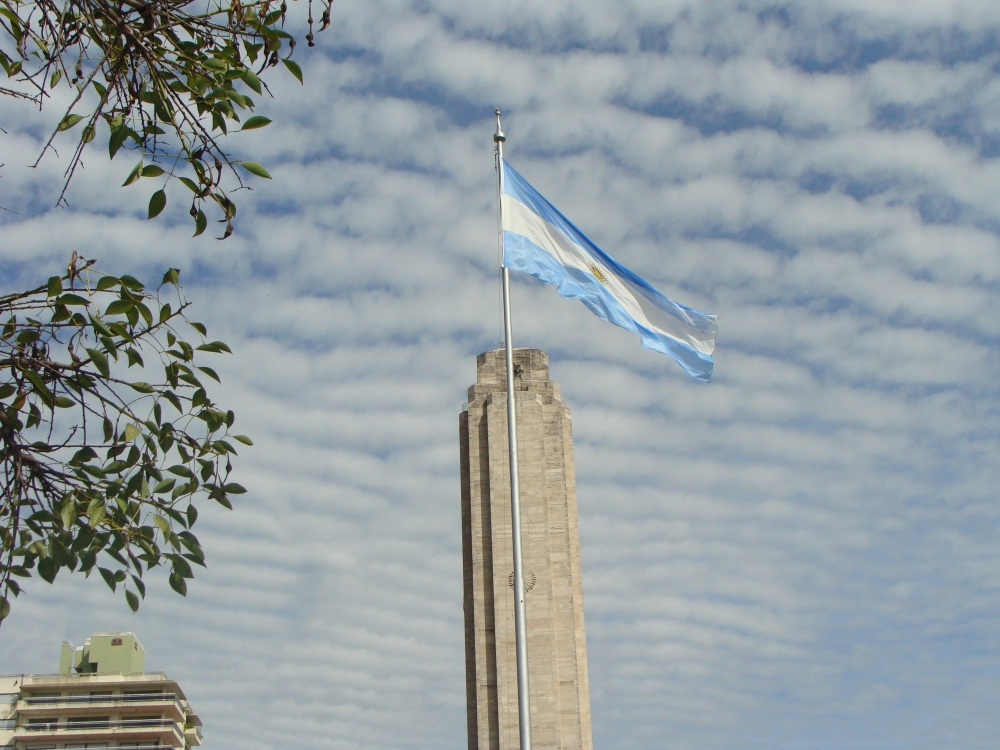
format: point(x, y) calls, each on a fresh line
point(498, 137)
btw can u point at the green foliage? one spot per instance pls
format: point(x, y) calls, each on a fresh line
point(108, 437)
point(168, 78)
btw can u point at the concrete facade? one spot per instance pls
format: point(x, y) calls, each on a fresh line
point(557, 652)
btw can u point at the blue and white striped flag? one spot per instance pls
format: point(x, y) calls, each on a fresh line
point(540, 241)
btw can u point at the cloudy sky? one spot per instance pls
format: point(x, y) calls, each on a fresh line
point(802, 554)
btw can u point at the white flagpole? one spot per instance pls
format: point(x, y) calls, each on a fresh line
point(520, 621)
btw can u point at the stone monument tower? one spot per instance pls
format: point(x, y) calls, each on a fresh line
point(557, 652)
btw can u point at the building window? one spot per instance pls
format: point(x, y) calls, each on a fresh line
point(43, 697)
point(42, 725)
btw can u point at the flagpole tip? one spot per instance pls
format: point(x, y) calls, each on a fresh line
point(498, 137)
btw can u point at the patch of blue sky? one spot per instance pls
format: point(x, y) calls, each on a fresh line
point(278, 207)
point(862, 187)
point(758, 235)
point(564, 35)
point(655, 38)
point(343, 52)
point(714, 115)
point(849, 44)
point(939, 208)
point(19, 275)
point(958, 119)
point(454, 108)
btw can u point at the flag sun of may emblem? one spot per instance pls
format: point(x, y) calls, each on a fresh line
point(598, 274)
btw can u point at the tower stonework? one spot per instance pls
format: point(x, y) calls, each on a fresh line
point(557, 652)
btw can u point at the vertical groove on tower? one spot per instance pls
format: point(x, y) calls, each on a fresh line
point(556, 641)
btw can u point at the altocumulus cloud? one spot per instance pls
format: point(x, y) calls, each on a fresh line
point(801, 554)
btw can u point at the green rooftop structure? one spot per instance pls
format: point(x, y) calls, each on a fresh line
point(104, 653)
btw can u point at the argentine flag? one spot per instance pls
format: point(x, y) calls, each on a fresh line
point(539, 240)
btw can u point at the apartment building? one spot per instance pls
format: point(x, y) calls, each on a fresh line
point(100, 698)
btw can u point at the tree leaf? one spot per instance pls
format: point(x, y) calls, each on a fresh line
point(211, 373)
point(100, 361)
point(152, 171)
point(257, 121)
point(4, 608)
point(294, 68)
point(68, 512)
point(243, 439)
point(131, 432)
point(162, 524)
point(117, 140)
point(133, 601)
point(109, 578)
point(157, 203)
point(96, 511)
point(165, 486)
point(39, 387)
point(54, 286)
point(254, 168)
point(181, 567)
point(234, 489)
point(145, 313)
point(118, 307)
point(251, 80)
point(72, 299)
point(133, 175)
point(200, 223)
point(68, 122)
point(178, 584)
point(48, 569)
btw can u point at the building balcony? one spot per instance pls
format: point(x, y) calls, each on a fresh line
point(55, 700)
point(192, 735)
point(43, 706)
point(164, 731)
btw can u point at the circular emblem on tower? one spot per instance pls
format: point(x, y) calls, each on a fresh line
point(529, 580)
